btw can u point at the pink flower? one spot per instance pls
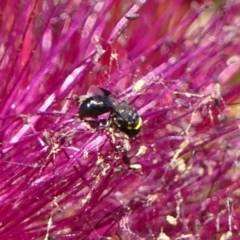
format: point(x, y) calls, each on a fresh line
point(176, 63)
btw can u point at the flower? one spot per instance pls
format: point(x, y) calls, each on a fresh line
point(177, 63)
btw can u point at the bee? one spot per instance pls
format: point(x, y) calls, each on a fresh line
point(97, 104)
point(122, 116)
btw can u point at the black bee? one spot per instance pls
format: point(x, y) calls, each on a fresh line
point(97, 104)
point(122, 116)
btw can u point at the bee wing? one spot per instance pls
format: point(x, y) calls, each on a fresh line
point(95, 90)
point(120, 110)
point(110, 100)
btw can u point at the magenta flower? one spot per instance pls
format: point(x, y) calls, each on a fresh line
point(177, 63)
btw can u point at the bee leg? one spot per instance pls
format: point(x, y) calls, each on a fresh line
point(92, 123)
point(97, 124)
point(135, 166)
point(127, 159)
point(103, 123)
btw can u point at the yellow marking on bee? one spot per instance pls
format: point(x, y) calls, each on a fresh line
point(138, 126)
